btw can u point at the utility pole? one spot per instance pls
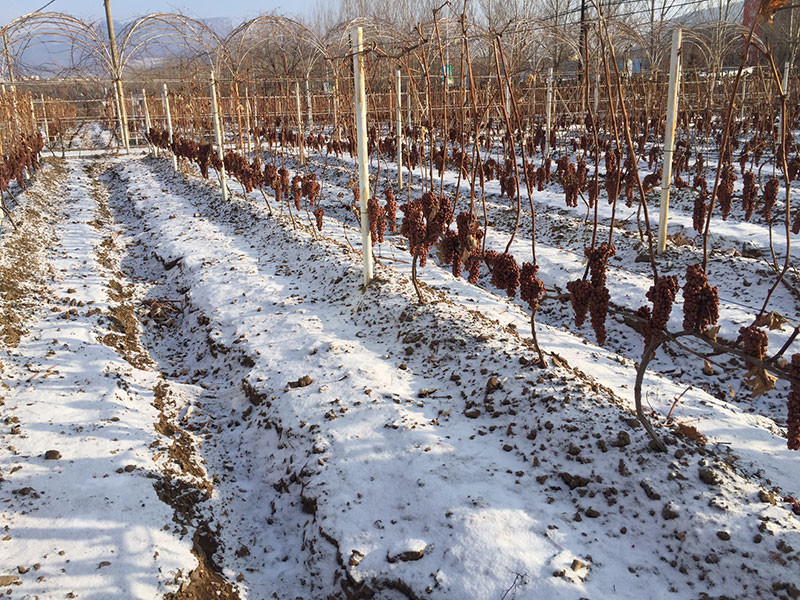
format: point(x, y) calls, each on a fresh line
point(117, 76)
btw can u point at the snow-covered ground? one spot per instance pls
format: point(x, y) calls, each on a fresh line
point(234, 414)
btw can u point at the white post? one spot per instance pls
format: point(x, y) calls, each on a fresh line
point(218, 137)
point(147, 123)
point(308, 105)
point(669, 137)
point(361, 131)
point(165, 97)
point(300, 134)
point(121, 141)
point(785, 91)
point(399, 136)
point(336, 106)
point(44, 116)
point(744, 90)
point(133, 115)
point(33, 116)
point(408, 103)
point(508, 102)
point(548, 111)
point(247, 118)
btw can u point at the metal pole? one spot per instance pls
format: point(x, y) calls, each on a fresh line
point(361, 131)
point(669, 137)
point(399, 135)
point(218, 137)
point(165, 97)
point(548, 111)
point(112, 43)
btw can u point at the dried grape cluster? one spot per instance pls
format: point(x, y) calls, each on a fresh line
point(725, 190)
point(755, 341)
point(700, 300)
point(662, 294)
point(630, 180)
point(390, 210)
point(508, 184)
point(770, 197)
point(650, 181)
point(462, 246)
point(377, 220)
point(251, 175)
point(571, 184)
point(531, 288)
point(700, 208)
point(426, 218)
point(505, 271)
point(613, 176)
point(749, 195)
point(580, 293)
point(599, 300)
point(24, 154)
point(297, 190)
point(793, 405)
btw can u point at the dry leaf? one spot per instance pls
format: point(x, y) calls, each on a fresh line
point(771, 320)
point(768, 8)
point(759, 381)
point(711, 333)
point(707, 368)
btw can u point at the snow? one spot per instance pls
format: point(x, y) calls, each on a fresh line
point(83, 527)
point(402, 467)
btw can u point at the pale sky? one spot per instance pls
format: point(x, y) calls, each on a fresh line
point(123, 10)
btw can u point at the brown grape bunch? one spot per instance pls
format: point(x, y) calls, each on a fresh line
point(793, 406)
point(700, 300)
point(531, 288)
point(755, 341)
point(580, 292)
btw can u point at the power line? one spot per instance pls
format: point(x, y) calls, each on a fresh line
point(45, 6)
